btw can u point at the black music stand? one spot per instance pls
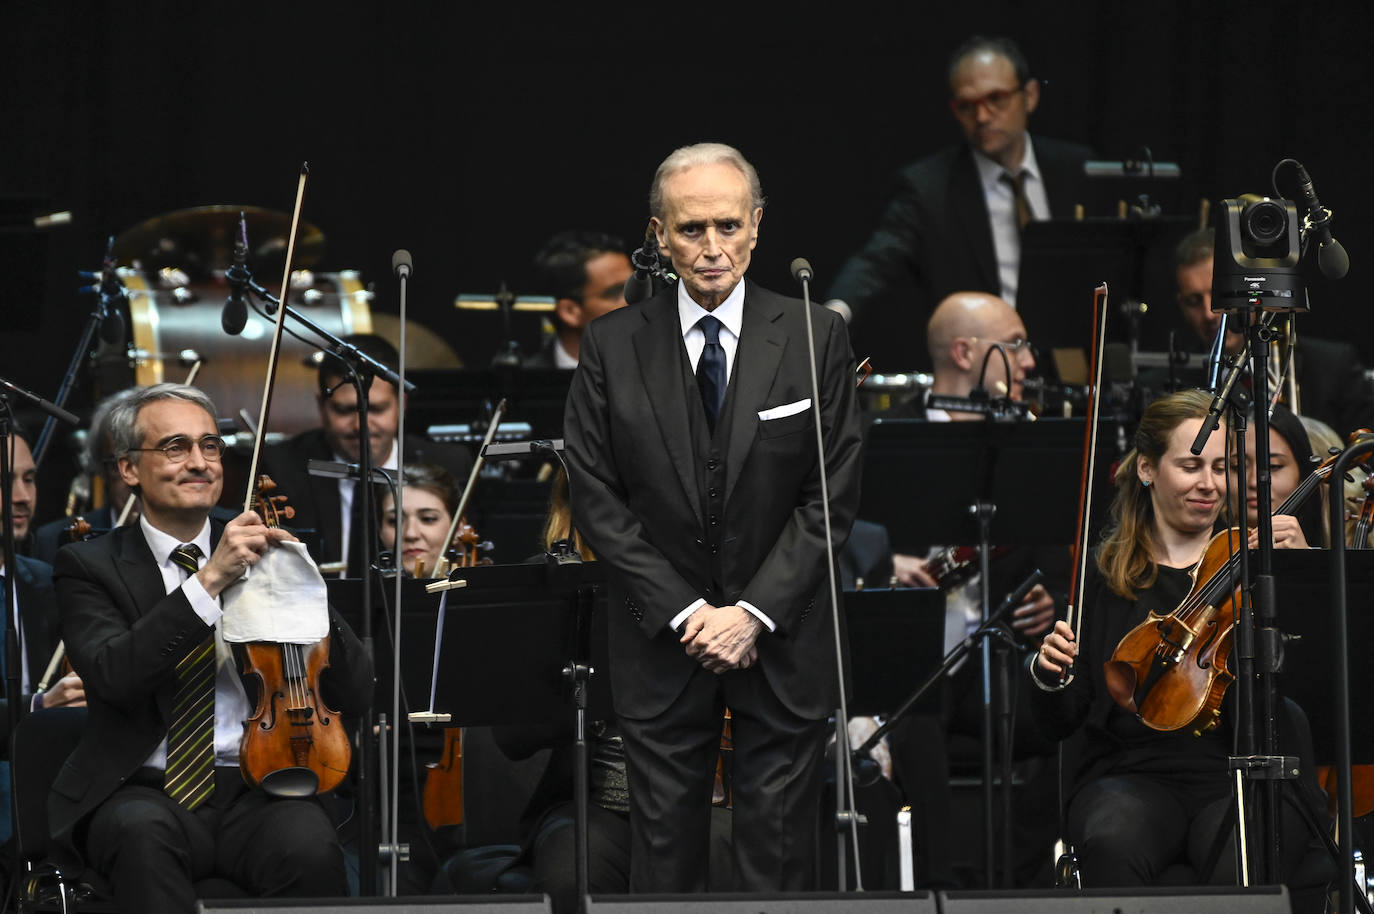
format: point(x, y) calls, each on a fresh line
point(921, 477)
point(519, 646)
point(1302, 589)
point(1062, 261)
point(978, 482)
point(898, 634)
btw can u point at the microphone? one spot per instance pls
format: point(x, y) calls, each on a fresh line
point(1332, 259)
point(801, 270)
point(401, 263)
point(234, 317)
point(640, 285)
point(111, 295)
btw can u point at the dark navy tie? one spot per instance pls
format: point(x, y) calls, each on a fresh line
point(711, 370)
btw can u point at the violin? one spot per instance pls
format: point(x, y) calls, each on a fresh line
point(293, 743)
point(1171, 670)
point(442, 799)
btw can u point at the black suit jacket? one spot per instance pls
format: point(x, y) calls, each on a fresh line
point(637, 492)
point(125, 636)
point(38, 614)
point(934, 239)
point(316, 498)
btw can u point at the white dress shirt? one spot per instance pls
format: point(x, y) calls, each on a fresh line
point(1001, 201)
point(231, 701)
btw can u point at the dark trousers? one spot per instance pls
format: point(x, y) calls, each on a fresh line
point(671, 761)
point(1129, 828)
point(152, 851)
point(553, 847)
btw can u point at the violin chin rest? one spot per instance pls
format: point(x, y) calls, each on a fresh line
point(291, 782)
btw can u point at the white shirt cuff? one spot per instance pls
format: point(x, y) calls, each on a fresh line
point(676, 622)
point(205, 606)
point(758, 614)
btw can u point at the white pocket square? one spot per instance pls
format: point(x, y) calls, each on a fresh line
point(782, 412)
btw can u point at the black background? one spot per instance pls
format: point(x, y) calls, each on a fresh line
point(468, 132)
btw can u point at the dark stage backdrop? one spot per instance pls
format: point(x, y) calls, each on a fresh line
point(469, 132)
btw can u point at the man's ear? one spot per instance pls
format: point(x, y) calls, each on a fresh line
point(128, 471)
point(1032, 91)
point(961, 353)
point(569, 312)
point(660, 230)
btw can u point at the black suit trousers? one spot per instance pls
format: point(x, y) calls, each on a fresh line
point(671, 762)
point(153, 851)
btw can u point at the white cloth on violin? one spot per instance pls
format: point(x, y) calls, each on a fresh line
point(282, 598)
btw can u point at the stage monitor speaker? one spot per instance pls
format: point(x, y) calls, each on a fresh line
point(449, 904)
point(795, 903)
point(1269, 899)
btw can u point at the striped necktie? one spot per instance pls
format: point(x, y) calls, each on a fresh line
point(1018, 191)
point(191, 736)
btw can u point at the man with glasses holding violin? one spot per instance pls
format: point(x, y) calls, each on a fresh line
point(955, 221)
point(152, 798)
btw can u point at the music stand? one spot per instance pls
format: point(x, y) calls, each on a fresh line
point(517, 642)
point(534, 395)
point(1062, 261)
point(921, 477)
point(1302, 587)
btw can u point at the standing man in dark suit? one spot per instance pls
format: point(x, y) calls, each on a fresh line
point(152, 797)
point(695, 478)
point(327, 505)
point(954, 221)
point(586, 273)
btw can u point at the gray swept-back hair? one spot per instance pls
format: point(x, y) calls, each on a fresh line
point(703, 154)
point(122, 421)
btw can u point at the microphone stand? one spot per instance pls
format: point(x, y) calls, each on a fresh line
point(361, 369)
point(847, 817)
point(104, 302)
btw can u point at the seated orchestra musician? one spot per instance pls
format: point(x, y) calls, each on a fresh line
point(429, 500)
point(1142, 800)
point(140, 612)
point(1290, 462)
point(34, 614)
point(327, 505)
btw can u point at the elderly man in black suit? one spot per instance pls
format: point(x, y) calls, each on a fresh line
point(329, 506)
point(152, 797)
point(954, 221)
point(695, 478)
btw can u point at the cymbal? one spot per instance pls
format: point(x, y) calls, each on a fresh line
point(201, 240)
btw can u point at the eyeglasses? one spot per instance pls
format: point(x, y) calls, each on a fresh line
point(997, 101)
point(179, 448)
point(1011, 346)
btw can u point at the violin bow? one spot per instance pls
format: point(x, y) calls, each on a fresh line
point(1073, 614)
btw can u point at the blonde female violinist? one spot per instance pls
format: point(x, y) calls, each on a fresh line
point(1145, 805)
